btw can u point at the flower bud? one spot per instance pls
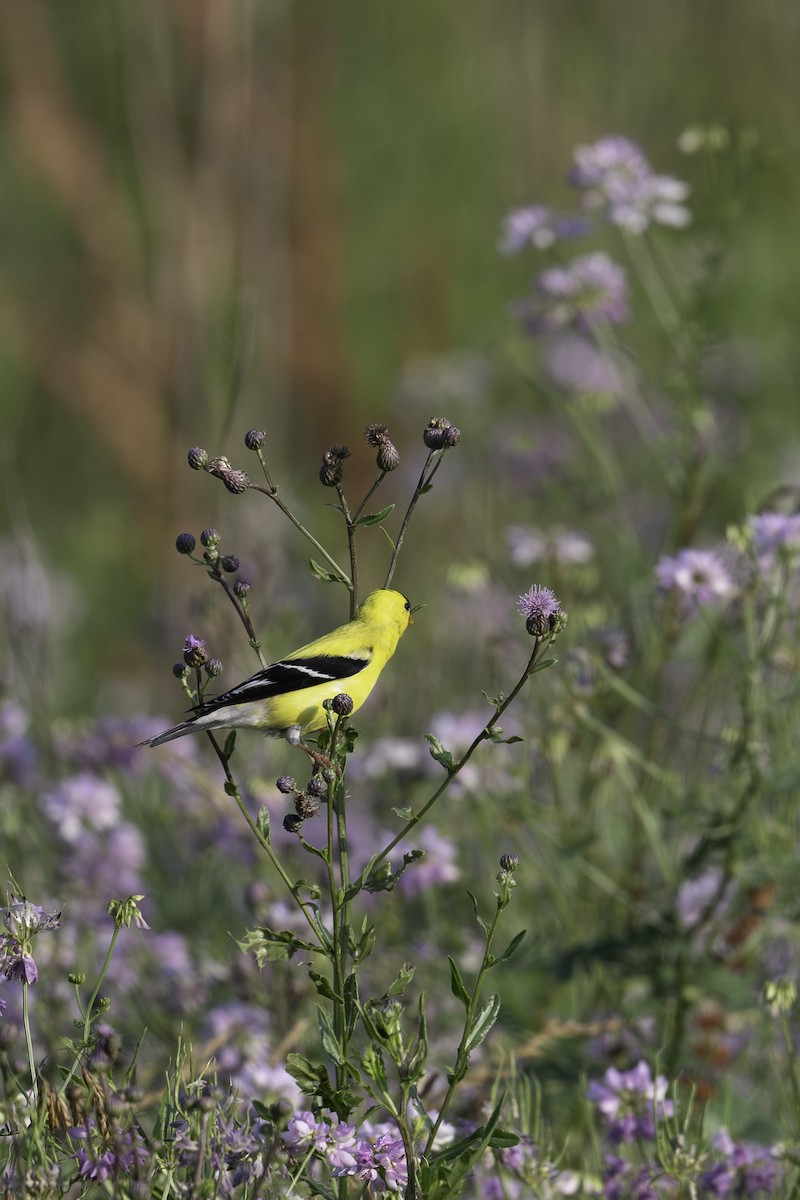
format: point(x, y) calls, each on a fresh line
point(306, 806)
point(434, 436)
point(286, 785)
point(209, 538)
point(219, 464)
point(242, 589)
point(254, 439)
point(229, 563)
point(451, 436)
point(376, 435)
point(509, 862)
point(195, 653)
point(198, 458)
point(331, 471)
point(292, 823)
point(388, 457)
point(236, 482)
point(180, 670)
point(317, 786)
point(214, 668)
point(185, 543)
point(342, 705)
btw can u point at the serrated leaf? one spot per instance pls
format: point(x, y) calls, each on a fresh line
point(262, 822)
point(307, 1075)
point(321, 573)
point(376, 517)
point(483, 1023)
point(457, 983)
point(512, 946)
point(439, 753)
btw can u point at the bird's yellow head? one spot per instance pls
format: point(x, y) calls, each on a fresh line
point(387, 608)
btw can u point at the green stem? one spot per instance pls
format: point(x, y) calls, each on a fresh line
point(89, 1009)
point(26, 1022)
point(351, 545)
point(540, 644)
point(369, 495)
point(424, 482)
point(272, 494)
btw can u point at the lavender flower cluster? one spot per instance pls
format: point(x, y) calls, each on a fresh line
point(373, 1153)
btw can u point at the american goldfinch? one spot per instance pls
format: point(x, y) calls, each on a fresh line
point(286, 698)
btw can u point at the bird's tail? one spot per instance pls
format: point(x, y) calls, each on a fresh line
point(202, 721)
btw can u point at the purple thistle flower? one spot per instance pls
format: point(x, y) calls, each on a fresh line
point(700, 576)
point(587, 293)
point(539, 607)
point(616, 177)
point(630, 1102)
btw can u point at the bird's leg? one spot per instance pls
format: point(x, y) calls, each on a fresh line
point(321, 760)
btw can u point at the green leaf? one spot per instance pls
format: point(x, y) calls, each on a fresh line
point(262, 822)
point(512, 946)
point(405, 814)
point(403, 980)
point(230, 743)
point(457, 983)
point(333, 1047)
point(544, 664)
point(483, 1023)
point(476, 913)
point(496, 735)
point(323, 574)
point(309, 1077)
point(321, 984)
point(350, 1003)
point(373, 1065)
point(376, 517)
point(439, 753)
point(270, 945)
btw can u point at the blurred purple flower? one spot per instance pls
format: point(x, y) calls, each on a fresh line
point(439, 866)
point(18, 755)
point(586, 294)
point(103, 1162)
point(82, 804)
point(630, 1102)
point(616, 177)
point(576, 364)
point(700, 576)
point(696, 895)
point(567, 547)
point(774, 534)
point(745, 1170)
point(538, 226)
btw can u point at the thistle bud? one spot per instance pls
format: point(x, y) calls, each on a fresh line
point(292, 823)
point(451, 436)
point(342, 705)
point(185, 543)
point(242, 589)
point(180, 670)
point(331, 471)
point(209, 538)
point(218, 464)
point(286, 785)
point(229, 563)
point(254, 439)
point(433, 435)
point(195, 653)
point(317, 786)
point(306, 806)
point(214, 668)
point(509, 862)
point(388, 457)
point(198, 458)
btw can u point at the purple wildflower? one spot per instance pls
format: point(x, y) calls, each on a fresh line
point(23, 921)
point(745, 1169)
point(576, 364)
point(81, 805)
point(700, 576)
point(103, 1162)
point(538, 226)
point(439, 866)
point(616, 177)
point(304, 1133)
point(630, 1102)
point(774, 534)
point(586, 294)
point(539, 607)
point(567, 547)
point(390, 1158)
point(341, 1151)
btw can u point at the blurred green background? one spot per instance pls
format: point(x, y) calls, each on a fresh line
point(219, 214)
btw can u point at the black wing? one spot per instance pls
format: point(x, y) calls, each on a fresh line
point(291, 675)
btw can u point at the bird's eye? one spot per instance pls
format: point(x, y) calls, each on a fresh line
point(408, 606)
